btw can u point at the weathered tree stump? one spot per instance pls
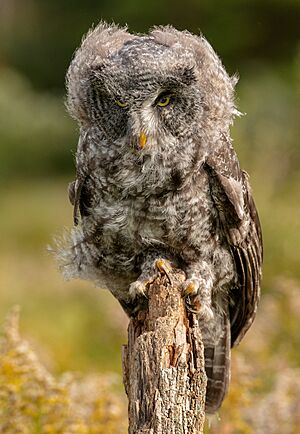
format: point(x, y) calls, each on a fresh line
point(163, 365)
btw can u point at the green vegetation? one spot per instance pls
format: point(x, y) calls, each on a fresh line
point(72, 326)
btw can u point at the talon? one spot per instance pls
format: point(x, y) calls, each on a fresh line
point(139, 288)
point(202, 310)
point(164, 267)
point(193, 307)
point(190, 289)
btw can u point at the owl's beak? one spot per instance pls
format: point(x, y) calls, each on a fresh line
point(142, 140)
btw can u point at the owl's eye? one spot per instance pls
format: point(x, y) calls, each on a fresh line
point(121, 103)
point(164, 100)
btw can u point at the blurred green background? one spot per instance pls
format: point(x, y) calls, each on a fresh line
point(72, 325)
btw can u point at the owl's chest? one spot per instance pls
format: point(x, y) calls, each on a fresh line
point(175, 218)
point(183, 217)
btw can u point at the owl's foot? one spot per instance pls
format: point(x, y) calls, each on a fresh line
point(197, 297)
point(195, 305)
point(164, 267)
point(140, 287)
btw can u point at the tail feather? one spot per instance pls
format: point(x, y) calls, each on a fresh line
point(217, 364)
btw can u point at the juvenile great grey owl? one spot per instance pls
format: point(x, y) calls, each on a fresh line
point(158, 182)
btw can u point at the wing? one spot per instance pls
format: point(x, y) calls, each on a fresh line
point(239, 222)
point(78, 190)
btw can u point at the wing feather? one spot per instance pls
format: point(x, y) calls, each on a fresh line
point(241, 227)
point(78, 193)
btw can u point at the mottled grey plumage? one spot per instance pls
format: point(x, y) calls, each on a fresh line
point(157, 178)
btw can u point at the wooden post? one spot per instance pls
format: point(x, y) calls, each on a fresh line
point(163, 365)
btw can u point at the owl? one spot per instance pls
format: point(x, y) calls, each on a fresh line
point(158, 184)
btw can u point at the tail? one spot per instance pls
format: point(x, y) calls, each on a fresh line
point(217, 362)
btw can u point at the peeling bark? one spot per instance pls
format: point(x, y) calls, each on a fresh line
point(163, 365)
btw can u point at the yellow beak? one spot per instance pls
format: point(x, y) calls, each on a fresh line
point(142, 140)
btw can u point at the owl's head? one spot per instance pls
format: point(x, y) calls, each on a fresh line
point(153, 91)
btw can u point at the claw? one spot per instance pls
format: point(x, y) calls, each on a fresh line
point(191, 288)
point(164, 267)
point(202, 310)
point(139, 288)
point(196, 299)
point(194, 307)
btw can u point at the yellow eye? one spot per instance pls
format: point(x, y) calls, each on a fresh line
point(165, 100)
point(120, 103)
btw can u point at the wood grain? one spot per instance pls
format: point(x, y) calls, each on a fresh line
point(163, 364)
